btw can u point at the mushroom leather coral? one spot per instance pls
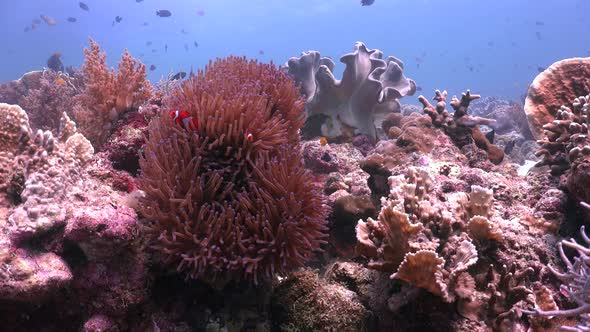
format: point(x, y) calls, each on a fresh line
point(220, 206)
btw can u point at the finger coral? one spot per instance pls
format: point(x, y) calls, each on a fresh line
point(369, 85)
point(230, 200)
point(108, 94)
point(459, 125)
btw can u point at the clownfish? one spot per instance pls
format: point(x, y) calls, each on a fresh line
point(184, 119)
point(249, 136)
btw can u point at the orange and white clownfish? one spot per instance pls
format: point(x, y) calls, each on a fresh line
point(184, 119)
point(249, 136)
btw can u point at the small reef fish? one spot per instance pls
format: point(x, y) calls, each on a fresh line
point(249, 136)
point(48, 20)
point(539, 23)
point(261, 52)
point(186, 47)
point(538, 35)
point(148, 43)
point(153, 67)
point(84, 6)
point(183, 31)
point(178, 76)
point(145, 24)
point(164, 13)
point(323, 141)
point(72, 19)
point(118, 19)
point(540, 69)
point(367, 2)
point(27, 29)
point(166, 48)
point(59, 81)
point(200, 12)
point(184, 119)
point(138, 1)
point(36, 21)
point(196, 44)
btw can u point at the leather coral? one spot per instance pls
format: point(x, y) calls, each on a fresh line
point(230, 199)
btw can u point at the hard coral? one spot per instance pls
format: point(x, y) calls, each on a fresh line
point(108, 94)
point(220, 206)
point(556, 86)
point(460, 126)
point(369, 85)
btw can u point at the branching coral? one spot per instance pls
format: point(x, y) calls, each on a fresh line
point(221, 206)
point(576, 283)
point(107, 94)
point(460, 126)
point(369, 84)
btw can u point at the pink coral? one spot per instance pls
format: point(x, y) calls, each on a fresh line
point(108, 94)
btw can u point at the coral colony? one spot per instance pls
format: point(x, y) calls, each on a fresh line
point(251, 197)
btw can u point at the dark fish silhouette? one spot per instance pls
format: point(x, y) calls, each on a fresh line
point(27, 29)
point(490, 136)
point(178, 76)
point(367, 2)
point(539, 23)
point(153, 67)
point(72, 19)
point(196, 44)
point(138, 1)
point(183, 32)
point(540, 69)
point(538, 34)
point(148, 43)
point(48, 20)
point(200, 12)
point(509, 146)
point(36, 21)
point(154, 50)
point(84, 6)
point(163, 13)
point(166, 48)
point(54, 62)
point(186, 47)
point(261, 52)
point(118, 19)
point(418, 88)
point(145, 24)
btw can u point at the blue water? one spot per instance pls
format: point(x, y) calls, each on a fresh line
point(491, 47)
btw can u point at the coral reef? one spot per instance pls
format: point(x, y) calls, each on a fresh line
point(460, 126)
point(557, 85)
point(574, 286)
point(220, 206)
point(302, 302)
point(107, 94)
point(369, 85)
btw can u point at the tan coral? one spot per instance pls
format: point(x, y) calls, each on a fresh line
point(557, 85)
point(14, 126)
point(78, 149)
point(422, 269)
point(480, 201)
point(482, 230)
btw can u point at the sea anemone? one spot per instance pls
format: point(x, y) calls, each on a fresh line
point(222, 205)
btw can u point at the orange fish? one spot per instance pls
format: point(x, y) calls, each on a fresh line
point(184, 119)
point(60, 81)
point(323, 141)
point(249, 136)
